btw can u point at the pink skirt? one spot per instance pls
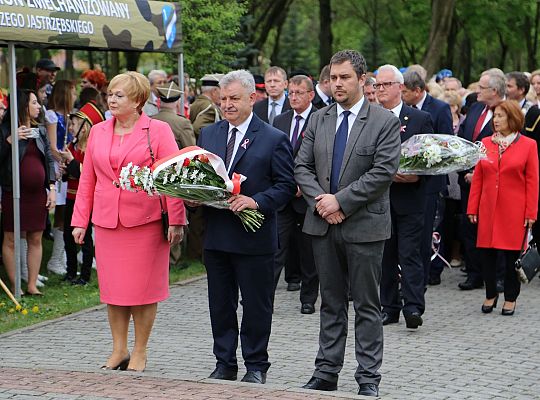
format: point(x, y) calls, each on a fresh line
point(132, 264)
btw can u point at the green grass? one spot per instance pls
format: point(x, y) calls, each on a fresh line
point(62, 298)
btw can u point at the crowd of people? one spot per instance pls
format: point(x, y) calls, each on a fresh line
point(321, 157)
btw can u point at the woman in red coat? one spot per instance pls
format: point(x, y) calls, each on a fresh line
point(504, 200)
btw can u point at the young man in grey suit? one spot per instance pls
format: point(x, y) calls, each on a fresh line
point(349, 155)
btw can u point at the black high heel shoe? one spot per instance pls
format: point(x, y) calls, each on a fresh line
point(488, 309)
point(506, 311)
point(121, 366)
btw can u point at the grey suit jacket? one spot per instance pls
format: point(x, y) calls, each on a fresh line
point(370, 162)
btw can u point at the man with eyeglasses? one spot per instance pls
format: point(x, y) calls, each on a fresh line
point(414, 94)
point(157, 78)
point(475, 127)
point(349, 154)
point(402, 257)
point(295, 251)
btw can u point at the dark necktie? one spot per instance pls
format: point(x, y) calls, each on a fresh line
point(340, 142)
point(272, 112)
point(294, 138)
point(230, 148)
point(415, 106)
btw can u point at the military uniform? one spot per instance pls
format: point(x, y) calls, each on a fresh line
point(183, 133)
point(181, 127)
point(203, 112)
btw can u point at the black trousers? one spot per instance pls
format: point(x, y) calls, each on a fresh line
point(71, 247)
point(296, 247)
point(403, 249)
point(512, 285)
point(468, 236)
point(253, 275)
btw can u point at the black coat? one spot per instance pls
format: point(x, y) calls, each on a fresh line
point(43, 145)
point(260, 109)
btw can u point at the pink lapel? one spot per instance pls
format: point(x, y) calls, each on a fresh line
point(137, 138)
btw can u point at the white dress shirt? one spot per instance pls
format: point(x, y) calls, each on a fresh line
point(302, 122)
point(242, 129)
point(352, 116)
point(420, 104)
point(397, 109)
point(322, 95)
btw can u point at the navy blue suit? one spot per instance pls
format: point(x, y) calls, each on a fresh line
point(407, 203)
point(441, 117)
point(236, 259)
point(466, 131)
point(299, 263)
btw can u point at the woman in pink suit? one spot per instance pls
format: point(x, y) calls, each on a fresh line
point(132, 253)
point(504, 200)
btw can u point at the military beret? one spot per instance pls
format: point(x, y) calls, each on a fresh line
point(211, 79)
point(169, 93)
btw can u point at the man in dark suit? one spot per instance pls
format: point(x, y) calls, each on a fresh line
point(475, 127)
point(407, 204)
point(323, 92)
point(275, 83)
point(295, 246)
point(349, 155)
point(414, 94)
point(236, 259)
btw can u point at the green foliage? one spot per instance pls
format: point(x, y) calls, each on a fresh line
point(209, 31)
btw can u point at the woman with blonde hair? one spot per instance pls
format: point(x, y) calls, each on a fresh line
point(535, 83)
point(132, 254)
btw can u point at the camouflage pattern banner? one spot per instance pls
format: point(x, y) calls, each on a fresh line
point(105, 24)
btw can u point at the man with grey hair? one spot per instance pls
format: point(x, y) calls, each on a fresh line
point(402, 265)
point(157, 78)
point(369, 90)
point(237, 259)
point(475, 127)
point(414, 94)
point(349, 155)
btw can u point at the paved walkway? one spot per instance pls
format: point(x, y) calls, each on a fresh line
point(459, 353)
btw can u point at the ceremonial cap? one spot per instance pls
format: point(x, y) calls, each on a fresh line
point(90, 113)
point(211, 79)
point(169, 93)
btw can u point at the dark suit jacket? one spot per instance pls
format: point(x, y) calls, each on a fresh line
point(283, 122)
point(408, 198)
point(441, 117)
point(260, 109)
point(267, 162)
point(466, 131)
point(318, 102)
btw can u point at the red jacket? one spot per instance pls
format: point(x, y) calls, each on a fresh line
point(504, 193)
point(97, 194)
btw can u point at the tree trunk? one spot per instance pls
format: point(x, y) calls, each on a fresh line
point(325, 33)
point(69, 72)
point(442, 12)
point(90, 59)
point(115, 65)
point(452, 36)
point(467, 58)
point(504, 51)
point(132, 60)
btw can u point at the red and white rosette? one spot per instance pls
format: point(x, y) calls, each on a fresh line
point(232, 185)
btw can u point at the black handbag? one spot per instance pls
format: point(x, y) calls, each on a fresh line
point(164, 214)
point(528, 262)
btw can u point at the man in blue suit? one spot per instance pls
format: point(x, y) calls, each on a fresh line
point(414, 94)
point(234, 258)
point(407, 205)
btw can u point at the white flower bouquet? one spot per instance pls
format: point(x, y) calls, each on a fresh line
point(191, 174)
point(438, 154)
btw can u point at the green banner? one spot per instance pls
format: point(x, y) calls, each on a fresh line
point(105, 24)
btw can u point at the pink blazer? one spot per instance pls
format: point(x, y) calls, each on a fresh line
point(99, 197)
